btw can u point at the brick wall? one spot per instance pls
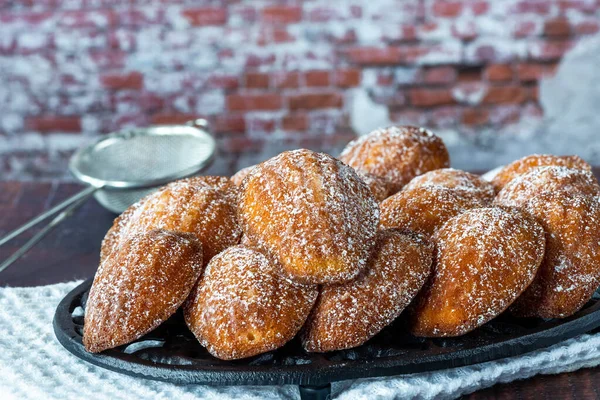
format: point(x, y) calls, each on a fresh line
point(271, 75)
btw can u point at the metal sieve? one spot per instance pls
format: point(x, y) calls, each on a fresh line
point(122, 167)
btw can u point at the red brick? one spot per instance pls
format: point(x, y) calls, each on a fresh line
point(54, 124)
point(587, 27)
point(475, 117)
point(505, 94)
point(221, 81)
point(347, 77)
point(205, 16)
point(430, 97)
point(557, 27)
point(540, 7)
point(533, 93)
point(479, 7)
point(580, 5)
point(246, 102)
point(549, 50)
point(385, 55)
point(282, 14)
point(261, 124)
point(316, 78)
point(528, 72)
point(171, 119)
point(281, 35)
point(285, 80)
point(132, 80)
point(323, 14)
point(502, 115)
point(442, 8)
point(499, 72)
point(295, 122)
point(311, 101)
point(526, 28)
point(242, 144)
point(136, 17)
point(438, 75)
point(256, 80)
point(258, 60)
point(375, 55)
point(229, 123)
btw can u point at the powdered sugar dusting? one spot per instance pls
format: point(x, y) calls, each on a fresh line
point(424, 209)
point(570, 272)
point(485, 258)
point(312, 213)
point(242, 306)
point(377, 185)
point(522, 188)
point(196, 205)
point(139, 286)
point(239, 176)
point(347, 315)
point(526, 164)
point(467, 183)
point(397, 153)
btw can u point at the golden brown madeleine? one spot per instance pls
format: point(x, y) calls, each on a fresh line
point(424, 209)
point(239, 176)
point(467, 183)
point(570, 272)
point(139, 286)
point(484, 259)
point(397, 153)
point(188, 205)
point(220, 183)
point(312, 213)
point(347, 315)
point(526, 164)
point(377, 185)
point(551, 179)
point(242, 306)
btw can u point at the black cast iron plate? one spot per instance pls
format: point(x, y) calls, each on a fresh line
point(171, 353)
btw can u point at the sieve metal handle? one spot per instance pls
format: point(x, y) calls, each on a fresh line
point(84, 194)
point(67, 207)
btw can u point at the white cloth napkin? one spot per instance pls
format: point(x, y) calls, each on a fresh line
point(33, 365)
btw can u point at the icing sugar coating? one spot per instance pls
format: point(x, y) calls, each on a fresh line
point(467, 183)
point(347, 315)
point(242, 306)
point(139, 286)
point(194, 205)
point(312, 213)
point(239, 176)
point(526, 164)
point(397, 153)
point(220, 183)
point(537, 180)
point(484, 259)
point(377, 185)
point(570, 272)
point(424, 209)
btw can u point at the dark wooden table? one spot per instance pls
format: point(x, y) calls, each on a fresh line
point(71, 252)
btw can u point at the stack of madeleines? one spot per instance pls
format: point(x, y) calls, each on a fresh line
point(334, 250)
